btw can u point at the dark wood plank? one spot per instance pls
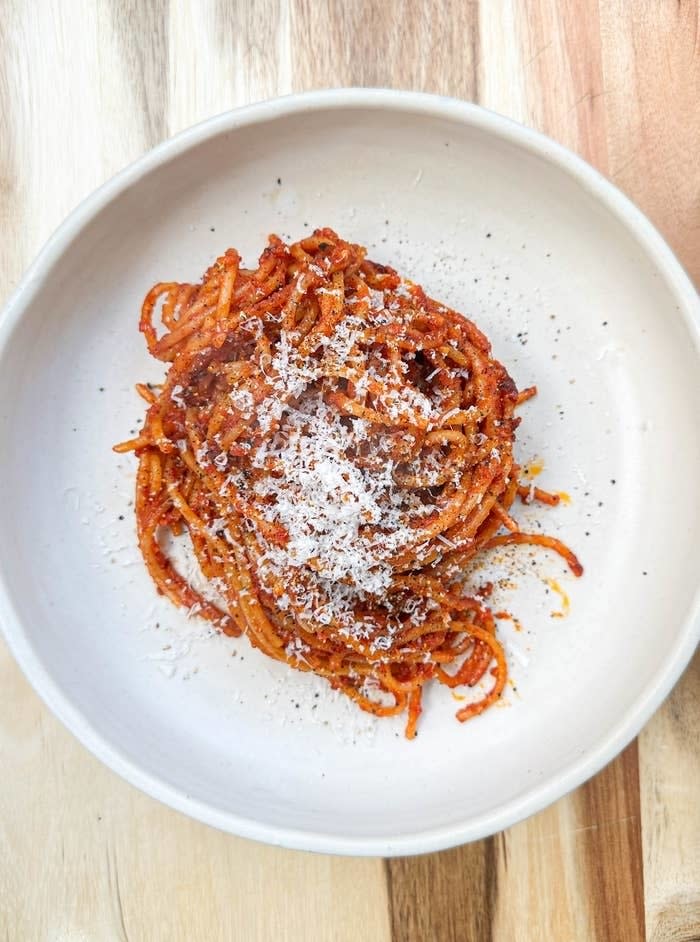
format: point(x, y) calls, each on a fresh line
point(445, 897)
point(610, 848)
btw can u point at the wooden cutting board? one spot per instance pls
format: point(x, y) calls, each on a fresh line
point(87, 86)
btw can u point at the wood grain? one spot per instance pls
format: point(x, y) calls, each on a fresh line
point(669, 784)
point(430, 47)
point(450, 895)
point(87, 87)
point(651, 65)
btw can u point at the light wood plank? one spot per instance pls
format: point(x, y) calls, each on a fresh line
point(564, 81)
point(651, 68)
point(222, 55)
point(670, 793)
point(427, 47)
point(503, 70)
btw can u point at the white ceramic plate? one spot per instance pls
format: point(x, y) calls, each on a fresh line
point(578, 293)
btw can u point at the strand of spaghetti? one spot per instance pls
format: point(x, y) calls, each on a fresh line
point(146, 393)
point(369, 706)
point(231, 262)
point(526, 394)
point(146, 322)
point(538, 539)
point(246, 598)
point(414, 711)
point(472, 668)
point(175, 587)
point(528, 493)
point(505, 518)
point(501, 673)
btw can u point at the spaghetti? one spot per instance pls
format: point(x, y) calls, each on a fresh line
point(338, 446)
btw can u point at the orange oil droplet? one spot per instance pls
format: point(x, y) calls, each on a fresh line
point(534, 468)
point(565, 603)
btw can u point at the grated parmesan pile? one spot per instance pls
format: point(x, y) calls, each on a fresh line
point(331, 480)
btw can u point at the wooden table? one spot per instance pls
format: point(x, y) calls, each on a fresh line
point(87, 86)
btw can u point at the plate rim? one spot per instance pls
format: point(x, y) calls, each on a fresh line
point(532, 799)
